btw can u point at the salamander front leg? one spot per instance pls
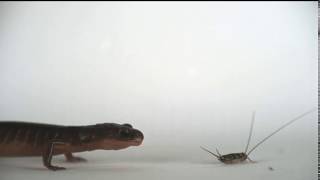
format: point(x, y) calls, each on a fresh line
point(47, 156)
point(71, 158)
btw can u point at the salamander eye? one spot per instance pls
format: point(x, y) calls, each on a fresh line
point(127, 125)
point(124, 133)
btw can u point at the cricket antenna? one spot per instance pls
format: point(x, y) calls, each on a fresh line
point(209, 152)
point(283, 126)
point(251, 128)
point(218, 152)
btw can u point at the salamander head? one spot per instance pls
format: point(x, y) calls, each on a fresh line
point(116, 136)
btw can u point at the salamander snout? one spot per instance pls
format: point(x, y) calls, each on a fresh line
point(130, 134)
point(138, 137)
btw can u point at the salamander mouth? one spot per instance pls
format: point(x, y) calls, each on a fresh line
point(136, 141)
point(116, 144)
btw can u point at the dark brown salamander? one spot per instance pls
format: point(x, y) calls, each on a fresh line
point(46, 140)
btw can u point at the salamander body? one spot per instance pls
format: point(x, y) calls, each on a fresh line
point(46, 140)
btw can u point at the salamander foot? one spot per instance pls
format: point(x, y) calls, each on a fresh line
point(55, 168)
point(74, 159)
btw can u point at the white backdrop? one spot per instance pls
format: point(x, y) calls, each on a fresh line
point(184, 73)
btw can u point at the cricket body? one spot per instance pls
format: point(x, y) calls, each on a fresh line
point(46, 140)
point(234, 158)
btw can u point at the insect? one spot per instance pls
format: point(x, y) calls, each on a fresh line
point(46, 140)
point(242, 156)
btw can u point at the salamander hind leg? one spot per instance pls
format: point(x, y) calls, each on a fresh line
point(47, 156)
point(71, 158)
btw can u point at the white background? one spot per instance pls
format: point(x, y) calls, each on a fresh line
point(185, 73)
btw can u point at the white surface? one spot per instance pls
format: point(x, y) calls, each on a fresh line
point(290, 164)
point(185, 74)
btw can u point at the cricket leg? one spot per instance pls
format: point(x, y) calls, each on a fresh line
point(251, 160)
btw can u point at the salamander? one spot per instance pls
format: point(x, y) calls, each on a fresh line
point(46, 140)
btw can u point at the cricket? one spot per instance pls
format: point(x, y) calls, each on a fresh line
point(234, 158)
